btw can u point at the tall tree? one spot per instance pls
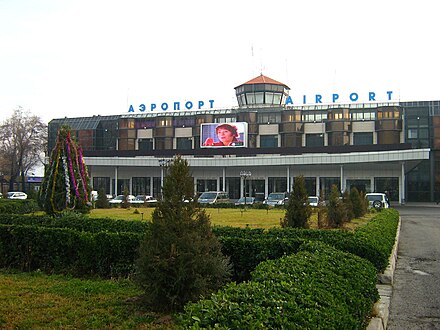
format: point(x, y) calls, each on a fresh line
point(180, 259)
point(23, 140)
point(66, 180)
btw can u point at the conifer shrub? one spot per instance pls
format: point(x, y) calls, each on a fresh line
point(102, 201)
point(336, 212)
point(357, 200)
point(180, 259)
point(298, 210)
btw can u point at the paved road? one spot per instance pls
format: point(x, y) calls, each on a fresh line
point(415, 302)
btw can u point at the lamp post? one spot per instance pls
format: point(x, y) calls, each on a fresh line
point(244, 175)
point(163, 163)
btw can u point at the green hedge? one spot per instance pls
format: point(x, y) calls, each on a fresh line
point(64, 250)
point(62, 239)
point(248, 247)
point(9, 206)
point(318, 288)
point(77, 222)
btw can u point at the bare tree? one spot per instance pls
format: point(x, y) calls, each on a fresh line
point(23, 141)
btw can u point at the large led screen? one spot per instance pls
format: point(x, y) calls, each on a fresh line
point(215, 135)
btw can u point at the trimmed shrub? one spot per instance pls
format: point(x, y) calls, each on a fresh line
point(323, 289)
point(78, 222)
point(63, 250)
point(18, 206)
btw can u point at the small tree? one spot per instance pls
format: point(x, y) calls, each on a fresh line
point(335, 209)
point(298, 209)
point(180, 259)
point(348, 206)
point(322, 211)
point(125, 202)
point(359, 206)
point(66, 181)
point(102, 201)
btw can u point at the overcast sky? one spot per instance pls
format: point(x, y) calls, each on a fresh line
point(84, 57)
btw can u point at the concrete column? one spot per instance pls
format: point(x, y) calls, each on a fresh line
point(266, 187)
point(116, 181)
point(288, 179)
point(402, 184)
point(342, 179)
point(318, 190)
point(224, 178)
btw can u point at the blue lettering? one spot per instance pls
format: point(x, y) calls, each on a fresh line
point(289, 100)
point(318, 98)
point(304, 99)
point(164, 106)
point(354, 97)
point(371, 96)
point(130, 109)
point(153, 106)
point(142, 108)
point(211, 103)
point(389, 95)
point(189, 105)
point(201, 103)
point(176, 105)
point(335, 97)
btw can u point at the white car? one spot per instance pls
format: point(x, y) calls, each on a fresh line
point(313, 201)
point(118, 199)
point(16, 195)
point(378, 200)
point(144, 199)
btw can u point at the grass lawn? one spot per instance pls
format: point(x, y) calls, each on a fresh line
point(219, 217)
point(235, 217)
point(39, 301)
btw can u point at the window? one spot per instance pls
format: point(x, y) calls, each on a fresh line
point(364, 138)
point(271, 118)
point(140, 186)
point(314, 140)
point(145, 144)
point(101, 183)
point(184, 143)
point(225, 120)
point(268, 141)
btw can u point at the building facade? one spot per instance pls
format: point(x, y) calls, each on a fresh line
point(391, 147)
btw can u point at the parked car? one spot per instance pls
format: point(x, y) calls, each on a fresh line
point(313, 201)
point(144, 199)
point(16, 195)
point(276, 198)
point(378, 200)
point(213, 197)
point(248, 201)
point(118, 199)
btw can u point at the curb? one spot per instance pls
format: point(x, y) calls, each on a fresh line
point(381, 308)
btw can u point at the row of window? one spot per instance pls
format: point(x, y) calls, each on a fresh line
point(261, 118)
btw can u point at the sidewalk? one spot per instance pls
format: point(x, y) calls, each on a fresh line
point(415, 204)
point(385, 288)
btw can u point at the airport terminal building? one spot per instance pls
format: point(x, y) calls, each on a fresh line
point(390, 146)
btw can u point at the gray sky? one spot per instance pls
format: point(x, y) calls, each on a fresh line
point(96, 57)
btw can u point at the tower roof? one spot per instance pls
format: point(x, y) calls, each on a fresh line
point(262, 79)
